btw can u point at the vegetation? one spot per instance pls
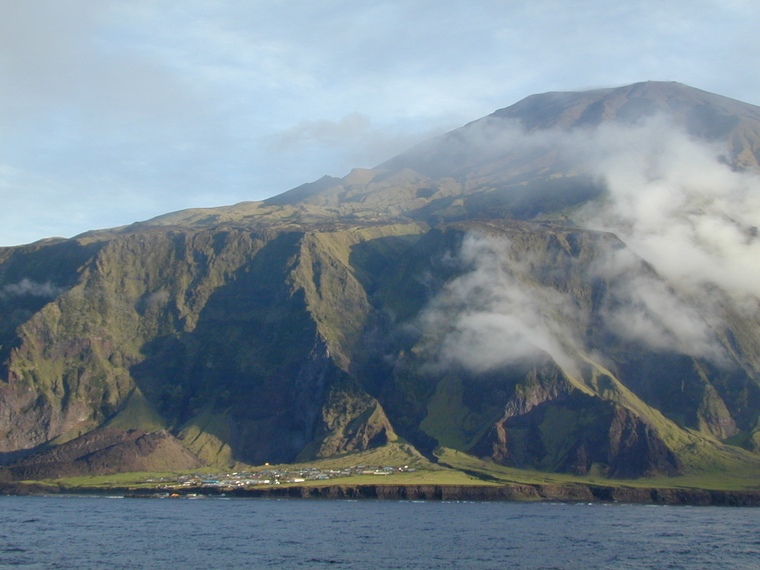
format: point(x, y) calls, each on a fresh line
point(332, 326)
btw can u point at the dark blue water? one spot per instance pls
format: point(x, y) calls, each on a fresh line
point(82, 532)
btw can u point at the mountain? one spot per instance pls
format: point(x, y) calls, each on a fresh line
point(568, 284)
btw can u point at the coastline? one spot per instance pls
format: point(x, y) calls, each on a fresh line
point(573, 493)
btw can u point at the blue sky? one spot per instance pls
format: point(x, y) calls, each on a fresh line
point(114, 111)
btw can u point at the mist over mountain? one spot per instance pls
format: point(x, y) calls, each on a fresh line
point(569, 284)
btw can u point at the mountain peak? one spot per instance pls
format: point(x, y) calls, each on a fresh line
point(703, 115)
point(527, 289)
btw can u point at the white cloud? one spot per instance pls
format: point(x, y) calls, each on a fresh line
point(27, 287)
point(675, 201)
point(643, 308)
point(354, 138)
point(672, 198)
point(496, 314)
point(690, 224)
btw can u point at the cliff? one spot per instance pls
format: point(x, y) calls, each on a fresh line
point(566, 285)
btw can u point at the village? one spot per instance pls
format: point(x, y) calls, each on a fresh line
point(273, 476)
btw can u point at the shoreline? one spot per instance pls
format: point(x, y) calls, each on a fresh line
point(573, 493)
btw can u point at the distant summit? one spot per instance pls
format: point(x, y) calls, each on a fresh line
point(707, 112)
point(704, 115)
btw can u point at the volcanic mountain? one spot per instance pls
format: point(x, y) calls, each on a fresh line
point(569, 284)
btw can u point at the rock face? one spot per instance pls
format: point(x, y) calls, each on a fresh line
point(490, 291)
point(105, 452)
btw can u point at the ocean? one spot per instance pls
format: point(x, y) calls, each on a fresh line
point(114, 533)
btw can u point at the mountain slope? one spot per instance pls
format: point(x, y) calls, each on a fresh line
point(564, 285)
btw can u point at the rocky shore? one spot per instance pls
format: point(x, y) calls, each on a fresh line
point(564, 493)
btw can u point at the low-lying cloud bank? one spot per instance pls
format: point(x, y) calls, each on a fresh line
point(678, 204)
point(491, 317)
point(673, 200)
point(28, 288)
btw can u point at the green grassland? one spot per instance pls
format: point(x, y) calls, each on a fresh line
point(452, 468)
point(739, 477)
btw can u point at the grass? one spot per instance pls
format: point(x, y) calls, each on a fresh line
point(739, 478)
point(138, 413)
point(132, 480)
point(454, 468)
point(437, 477)
point(450, 421)
point(392, 454)
point(498, 473)
point(207, 435)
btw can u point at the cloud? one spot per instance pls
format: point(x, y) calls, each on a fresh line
point(347, 130)
point(501, 311)
point(354, 137)
point(689, 221)
point(677, 203)
point(61, 66)
point(673, 199)
point(642, 308)
point(28, 288)
point(496, 314)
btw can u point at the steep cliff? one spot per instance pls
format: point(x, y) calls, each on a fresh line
point(565, 285)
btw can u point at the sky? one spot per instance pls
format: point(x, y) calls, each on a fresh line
point(116, 111)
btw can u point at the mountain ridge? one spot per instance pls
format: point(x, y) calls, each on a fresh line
point(490, 291)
